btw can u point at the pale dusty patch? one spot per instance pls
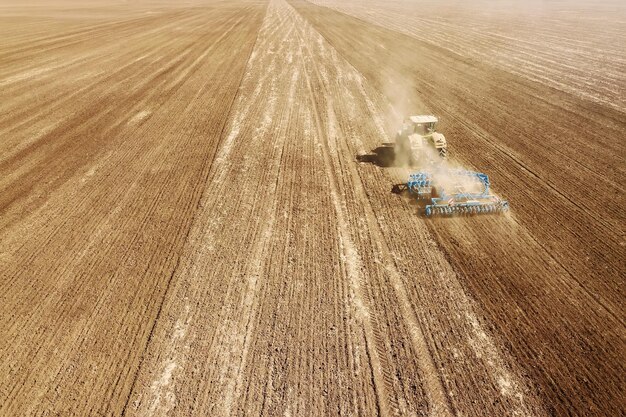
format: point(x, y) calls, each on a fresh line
point(161, 395)
point(139, 117)
point(25, 75)
point(485, 349)
point(164, 400)
point(95, 167)
point(141, 58)
point(89, 74)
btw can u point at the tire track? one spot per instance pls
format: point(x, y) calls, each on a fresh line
point(353, 266)
point(497, 367)
point(437, 396)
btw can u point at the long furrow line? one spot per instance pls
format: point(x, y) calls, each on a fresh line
point(353, 267)
point(283, 365)
point(130, 77)
point(81, 68)
point(257, 272)
point(228, 343)
point(265, 143)
point(94, 33)
point(397, 280)
point(162, 398)
point(548, 59)
point(76, 144)
point(525, 296)
point(320, 380)
point(525, 140)
point(437, 396)
point(240, 333)
point(257, 341)
point(375, 342)
point(170, 151)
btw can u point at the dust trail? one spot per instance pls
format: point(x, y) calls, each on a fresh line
point(401, 102)
point(444, 172)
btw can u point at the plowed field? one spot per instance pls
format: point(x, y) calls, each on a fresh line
point(185, 228)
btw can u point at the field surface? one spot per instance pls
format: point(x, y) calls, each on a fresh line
point(185, 228)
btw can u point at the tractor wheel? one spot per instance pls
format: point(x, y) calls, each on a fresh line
point(385, 156)
point(443, 153)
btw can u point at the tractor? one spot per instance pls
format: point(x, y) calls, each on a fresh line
point(418, 141)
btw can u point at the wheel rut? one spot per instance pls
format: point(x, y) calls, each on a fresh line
point(439, 403)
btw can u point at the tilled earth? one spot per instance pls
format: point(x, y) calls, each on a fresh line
point(185, 228)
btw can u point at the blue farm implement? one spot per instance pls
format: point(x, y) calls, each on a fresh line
point(453, 193)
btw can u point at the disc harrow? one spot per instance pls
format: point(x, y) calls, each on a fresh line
point(458, 192)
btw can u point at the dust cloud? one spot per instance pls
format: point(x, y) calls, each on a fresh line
point(445, 173)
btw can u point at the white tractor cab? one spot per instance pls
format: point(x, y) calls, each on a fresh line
point(417, 133)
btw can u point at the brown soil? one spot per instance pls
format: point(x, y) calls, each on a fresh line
point(185, 228)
